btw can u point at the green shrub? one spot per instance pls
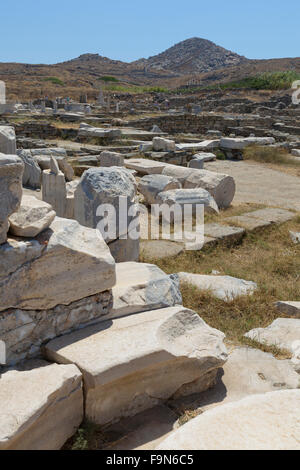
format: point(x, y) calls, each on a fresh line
point(54, 80)
point(108, 79)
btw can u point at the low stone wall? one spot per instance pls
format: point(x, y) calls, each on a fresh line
point(200, 124)
point(25, 331)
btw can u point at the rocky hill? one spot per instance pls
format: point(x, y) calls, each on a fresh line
point(194, 55)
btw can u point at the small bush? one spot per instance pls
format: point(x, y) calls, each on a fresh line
point(54, 80)
point(108, 79)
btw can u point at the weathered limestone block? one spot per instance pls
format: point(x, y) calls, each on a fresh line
point(86, 130)
point(54, 190)
point(239, 143)
point(196, 163)
point(292, 309)
point(144, 166)
point(25, 331)
point(224, 232)
point(221, 187)
point(193, 197)
point(98, 186)
point(33, 217)
point(204, 145)
point(111, 159)
point(32, 173)
point(133, 363)
point(151, 185)
point(40, 409)
point(160, 144)
point(140, 287)
point(223, 287)
point(8, 144)
point(261, 422)
point(63, 264)
point(123, 250)
point(11, 171)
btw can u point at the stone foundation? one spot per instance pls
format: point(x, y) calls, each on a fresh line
point(25, 331)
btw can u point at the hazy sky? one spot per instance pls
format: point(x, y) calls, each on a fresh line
point(51, 31)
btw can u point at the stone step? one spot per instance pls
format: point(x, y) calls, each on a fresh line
point(133, 363)
point(40, 409)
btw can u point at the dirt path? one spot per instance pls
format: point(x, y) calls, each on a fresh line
point(259, 184)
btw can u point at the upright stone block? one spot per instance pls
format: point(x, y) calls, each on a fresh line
point(54, 188)
point(11, 171)
point(8, 144)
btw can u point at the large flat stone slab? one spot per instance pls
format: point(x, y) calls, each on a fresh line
point(275, 216)
point(249, 223)
point(145, 166)
point(261, 422)
point(67, 262)
point(159, 249)
point(224, 232)
point(40, 409)
point(247, 372)
point(223, 287)
point(134, 363)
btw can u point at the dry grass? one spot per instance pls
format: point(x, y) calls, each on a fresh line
point(268, 258)
point(276, 158)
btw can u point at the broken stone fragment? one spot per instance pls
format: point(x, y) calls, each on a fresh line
point(223, 287)
point(33, 217)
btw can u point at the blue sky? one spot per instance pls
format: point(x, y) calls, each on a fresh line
point(51, 31)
